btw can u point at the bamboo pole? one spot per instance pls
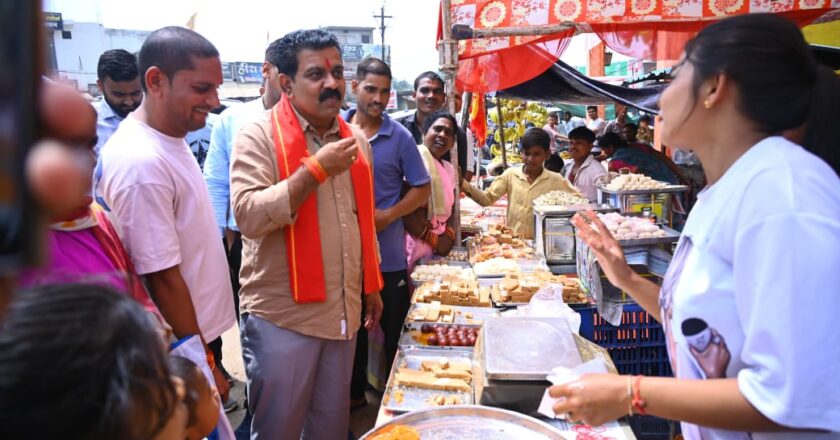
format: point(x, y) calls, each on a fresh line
point(502, 132)
point(448, 56)
point(464, 32)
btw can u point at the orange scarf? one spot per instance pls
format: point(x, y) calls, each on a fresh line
point(303, 238)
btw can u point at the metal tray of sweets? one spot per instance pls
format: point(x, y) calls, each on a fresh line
point(570, 210)
point(499, 304)
point(526, 348)
point(471, 422)
point(671, 236)
point(414, 399)
point(461, 314)
point(668, 189)
point(413, 337)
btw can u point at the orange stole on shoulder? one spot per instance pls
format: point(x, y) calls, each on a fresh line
point(303, 237)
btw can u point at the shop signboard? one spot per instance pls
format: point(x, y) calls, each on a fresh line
point(247, 72)
point(227, 71)
point(54, 21)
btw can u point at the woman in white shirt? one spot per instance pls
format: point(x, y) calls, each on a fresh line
point(749, 301)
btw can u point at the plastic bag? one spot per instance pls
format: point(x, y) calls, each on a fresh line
point(548, 303)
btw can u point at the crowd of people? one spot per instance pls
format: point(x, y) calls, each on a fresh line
point(305, 223)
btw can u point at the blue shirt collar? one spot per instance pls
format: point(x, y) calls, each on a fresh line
point(105, 111)
point(386, 129)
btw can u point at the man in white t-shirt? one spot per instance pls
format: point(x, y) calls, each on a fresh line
point(594, 122)
point(149, 181)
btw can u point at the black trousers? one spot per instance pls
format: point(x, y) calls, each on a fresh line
point(234, 257)
point(396, 302)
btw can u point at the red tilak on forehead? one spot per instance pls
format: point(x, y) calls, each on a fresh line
point(327, 63)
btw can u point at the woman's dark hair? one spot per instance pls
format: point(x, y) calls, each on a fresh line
point(434, 116)
point(780, 84)
point(82, 362)
point(611, 140)
point(536, 137)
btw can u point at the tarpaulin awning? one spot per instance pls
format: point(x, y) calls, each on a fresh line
point(638, 16)
point(563, 83)
point(642, 29)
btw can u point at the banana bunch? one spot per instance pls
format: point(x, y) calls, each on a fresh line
point(515, 115)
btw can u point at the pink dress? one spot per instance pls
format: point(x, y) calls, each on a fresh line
point(417, 249)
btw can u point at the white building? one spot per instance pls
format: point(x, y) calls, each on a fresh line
point(76, 50)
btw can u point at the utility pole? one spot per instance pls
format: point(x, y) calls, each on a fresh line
point(382, 18)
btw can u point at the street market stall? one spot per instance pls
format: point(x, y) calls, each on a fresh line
point(485, 337)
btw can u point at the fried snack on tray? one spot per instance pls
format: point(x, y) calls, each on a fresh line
point(397, 432)
point(501, 242)
point(519, 288)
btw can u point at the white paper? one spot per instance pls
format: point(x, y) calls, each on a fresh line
point(561, 375)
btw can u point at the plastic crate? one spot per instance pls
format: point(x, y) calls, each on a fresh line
point(637, 346)
point(653, 428)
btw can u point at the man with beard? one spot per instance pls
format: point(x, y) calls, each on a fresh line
point(149, 180)
point(303, 198)
point(430, 97)
point(119, 82)
point(396, 160)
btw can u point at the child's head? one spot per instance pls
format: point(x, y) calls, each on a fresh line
point(83, 361)
point(201, 399)
point(535, 150)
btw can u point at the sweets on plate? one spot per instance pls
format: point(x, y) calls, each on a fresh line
point(451, 291)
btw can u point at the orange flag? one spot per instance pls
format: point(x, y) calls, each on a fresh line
point(478, 119)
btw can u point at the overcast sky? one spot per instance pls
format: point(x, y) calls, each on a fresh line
point(238, 28)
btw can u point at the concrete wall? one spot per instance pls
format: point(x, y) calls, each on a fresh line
point(77, 57)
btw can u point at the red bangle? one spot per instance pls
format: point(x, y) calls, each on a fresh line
point(639, 404)
point(315, 169)
point(211, 360)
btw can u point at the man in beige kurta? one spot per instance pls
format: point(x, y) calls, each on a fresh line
point(299, 356)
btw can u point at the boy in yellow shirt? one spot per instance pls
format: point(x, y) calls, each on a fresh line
point(523, 184)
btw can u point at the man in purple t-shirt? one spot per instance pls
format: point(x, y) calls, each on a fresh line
point(396, 161)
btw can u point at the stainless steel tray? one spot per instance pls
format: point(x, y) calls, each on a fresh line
point(479, 314)
point(672, 236)
point(408, 341)
point(472, 423)
point(415, 398)
point(570, 210)
point(667, 189)
point(518, 348)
